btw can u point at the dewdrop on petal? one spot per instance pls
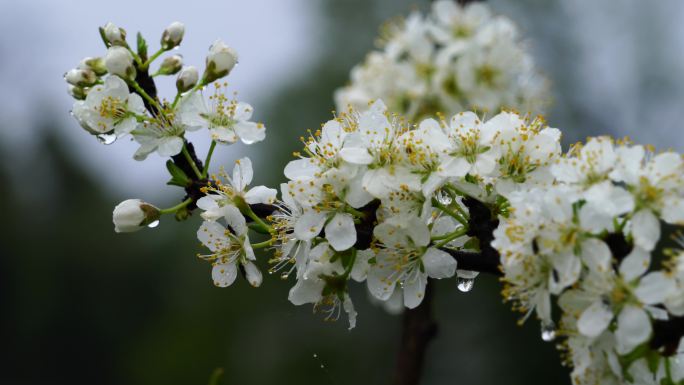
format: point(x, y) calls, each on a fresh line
point(220, 61)
point(120, 62)
point(171, 65)
point(172, 35)
point(133, 214)
point(187, 78)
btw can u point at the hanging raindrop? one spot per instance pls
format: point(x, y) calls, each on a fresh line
point(548, 332)
point(465, 284)
point(444, 199)
point(153, 224)
point(285, 275)
point(106, 138)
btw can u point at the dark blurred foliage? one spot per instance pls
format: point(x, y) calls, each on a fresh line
point(83, 305)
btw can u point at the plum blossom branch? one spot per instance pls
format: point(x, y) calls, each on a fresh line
point(397, 195)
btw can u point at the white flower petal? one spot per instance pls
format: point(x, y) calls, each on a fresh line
point(242, 174)
point(438, 264)
point(212, 235)
point(261, 194)
point(596, 255)
point(243, 111)
point(306, 290)
point(635, 263)
point(655, 287)
point(414, 290)
point(633, 328)
point(224, 274)
point(455, 167)
point(351, 313)
point(361, 266)
point(253, 274)
point(356, 155)
point(340, 232)
point(645, 229)
point(250, 132)
point(235, 219)
point(170, 146)
point(594, 319)
point(309, 225)
point(300, 168)
point(380, 285)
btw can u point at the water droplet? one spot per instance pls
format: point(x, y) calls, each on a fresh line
point(444, 199)
point(106, 138)
point(548, 331)
point(322, 366)
point(315, 355)
point(465, 284)
point(153, 224)
point(285, 275)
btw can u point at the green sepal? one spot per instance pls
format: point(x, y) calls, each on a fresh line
point(182, 214)
point(103, 37)
point(178, 176)
point(142, 47)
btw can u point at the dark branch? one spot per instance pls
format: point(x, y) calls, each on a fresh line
point(667, 334)
point(473, 261)
point(418, 329)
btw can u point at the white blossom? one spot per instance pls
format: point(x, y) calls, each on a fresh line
point(133, 214)
point(109, 107)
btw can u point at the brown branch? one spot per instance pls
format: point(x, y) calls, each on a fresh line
point(476, 261)
point(418, 329)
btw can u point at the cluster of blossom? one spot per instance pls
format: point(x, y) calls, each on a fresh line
point(112, 101)
point(456, 58)
point(372, 198)
point(116, 98)
point(588, 239)
point(377, 199)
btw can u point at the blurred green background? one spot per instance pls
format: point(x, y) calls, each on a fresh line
point(83, 305)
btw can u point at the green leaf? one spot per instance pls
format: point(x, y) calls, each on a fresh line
point(178, 176)
point(142, 47)
point(472, 244)
point(104, 38)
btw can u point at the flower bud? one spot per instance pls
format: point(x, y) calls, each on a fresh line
point(114, 35)
point(133, 214)
point(80, 77)
point(172, 35)
point(171, 65)
point(220, 61)
point(119, 62)
point(77, 93)
point(95, 64)
point(187, 79)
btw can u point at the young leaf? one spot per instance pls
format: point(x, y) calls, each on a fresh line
point(142, 47)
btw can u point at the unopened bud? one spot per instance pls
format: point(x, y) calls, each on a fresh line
point(115, 35)
point(119, 62)
point(172, 35)
point(77, 93)
point(187, 79)
point(171, 65)
point(95, 64)
point(220, 61)
point(80, 77)
point(133, 214)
